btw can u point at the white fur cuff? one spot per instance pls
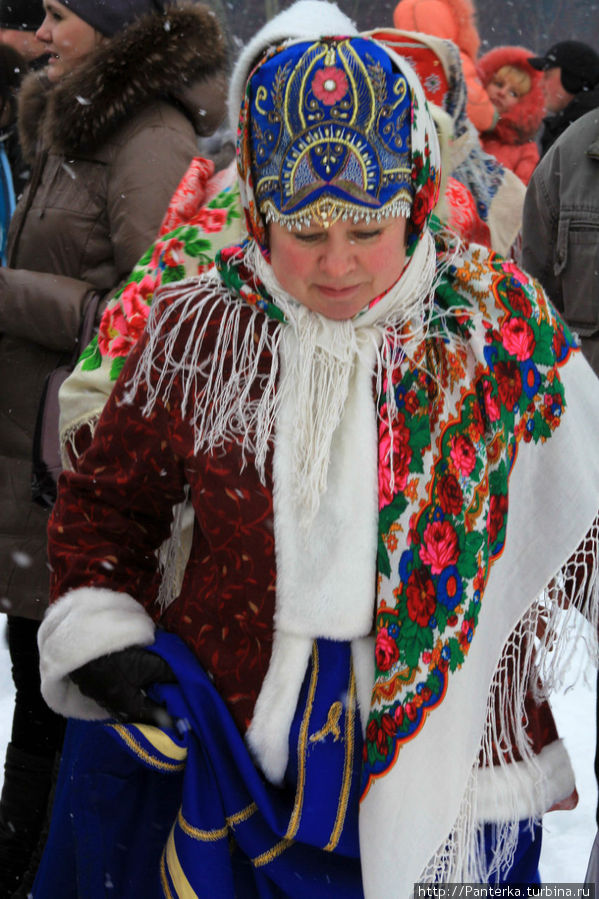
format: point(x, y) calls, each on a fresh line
point(83, 625)
point(525, 789)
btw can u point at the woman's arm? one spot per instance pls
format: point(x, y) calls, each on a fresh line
point(109, 519)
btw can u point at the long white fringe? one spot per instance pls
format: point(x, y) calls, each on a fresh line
point(539, 652)
point(233, 395)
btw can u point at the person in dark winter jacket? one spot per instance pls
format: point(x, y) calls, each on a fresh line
point(109, 128)
point(514, 87)
point(570, 84)
point(23, 52)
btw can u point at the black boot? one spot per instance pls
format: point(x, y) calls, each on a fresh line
point(23, 804)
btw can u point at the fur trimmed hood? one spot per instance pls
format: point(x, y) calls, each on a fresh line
point(524, 119)
point(457, 22)
point(142, 63)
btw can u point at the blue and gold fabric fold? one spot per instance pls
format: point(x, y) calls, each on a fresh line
point(188, 814)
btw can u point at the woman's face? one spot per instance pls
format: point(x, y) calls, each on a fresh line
point(67, 38)
point(503, 93)
point(336, 271)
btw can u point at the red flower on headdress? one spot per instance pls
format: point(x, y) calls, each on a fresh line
point(330, 85)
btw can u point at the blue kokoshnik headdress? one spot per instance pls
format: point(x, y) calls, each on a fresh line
point(329, 129)
point(335, 128)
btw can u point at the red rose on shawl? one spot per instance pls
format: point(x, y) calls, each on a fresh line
point(498, 506)
point(517, 274)
point(463, 454)
point(402, 456)
point(411, 402)
point(559, 343)
point(330, 85)
point(168, 252)
point(371, 731)
point(477, 427)
point(421, 597)
point(398, 714)
point(385, 650)
point(381, 741)
point(491, 402)
point(411, 711)
point(509, 383)
point(463, 215)
point(450, 495)
point(190, 194)
point(519, 302)
point(518, 338)
point(420, 209)
point(211, 220)
point(440, 546)
point(122, 324)
point(388, 724)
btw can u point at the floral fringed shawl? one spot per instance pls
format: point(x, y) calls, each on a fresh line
point(487, 533)
point(204, 216)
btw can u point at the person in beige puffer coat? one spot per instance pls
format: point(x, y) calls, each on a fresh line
point(109, 129)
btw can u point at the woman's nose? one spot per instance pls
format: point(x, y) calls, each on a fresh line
point(337, 259)
point(43, 33)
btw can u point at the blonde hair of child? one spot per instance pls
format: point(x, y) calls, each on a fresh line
point(516, 77)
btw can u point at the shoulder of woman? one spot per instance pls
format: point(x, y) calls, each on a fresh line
point(32, 102)
point(139, 67)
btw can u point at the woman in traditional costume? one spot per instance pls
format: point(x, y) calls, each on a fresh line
point(383, 436)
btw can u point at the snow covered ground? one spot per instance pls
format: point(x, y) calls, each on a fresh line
point(568, 836)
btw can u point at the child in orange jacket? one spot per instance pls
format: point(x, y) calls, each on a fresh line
point(515, 90)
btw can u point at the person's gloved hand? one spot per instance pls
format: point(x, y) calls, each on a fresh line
point(117, 681)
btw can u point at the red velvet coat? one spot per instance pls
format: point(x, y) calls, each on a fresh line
point(225, 608)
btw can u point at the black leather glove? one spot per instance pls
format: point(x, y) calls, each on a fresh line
point(117, 680)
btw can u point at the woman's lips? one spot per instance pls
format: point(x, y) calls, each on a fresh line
point(338, 292)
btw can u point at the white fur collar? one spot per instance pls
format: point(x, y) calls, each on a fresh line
point(326, 534)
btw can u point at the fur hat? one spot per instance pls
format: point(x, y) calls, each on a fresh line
point(110, 16)
point(578, 62)
point(21, 15)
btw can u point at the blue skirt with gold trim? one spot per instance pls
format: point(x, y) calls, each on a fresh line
point(145, 812)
